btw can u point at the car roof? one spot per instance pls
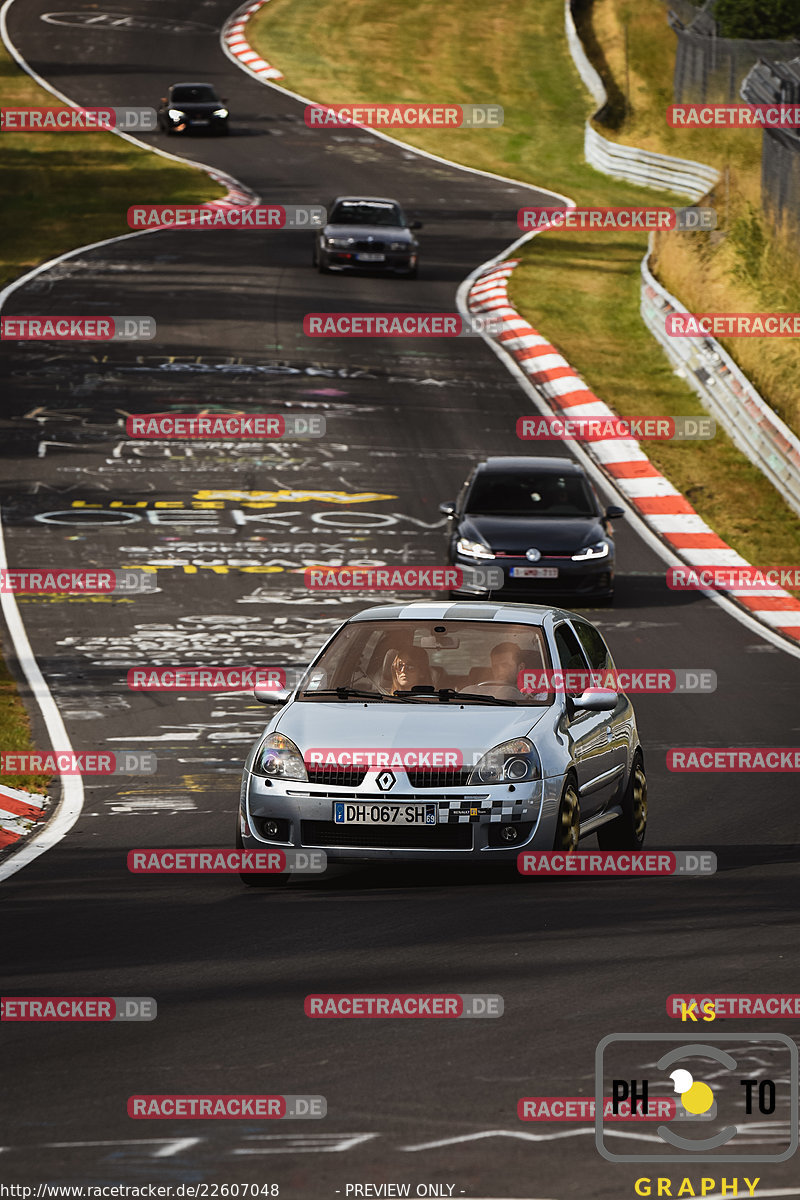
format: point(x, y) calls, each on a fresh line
point(367, 200)
point(517, 464)
point(463, 610)
point(192, 84)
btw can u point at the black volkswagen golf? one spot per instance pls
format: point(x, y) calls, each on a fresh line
point(541, 522)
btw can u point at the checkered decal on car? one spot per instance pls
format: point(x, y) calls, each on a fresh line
point(466, 812)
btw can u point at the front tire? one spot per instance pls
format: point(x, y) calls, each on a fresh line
point(257, 879)
point(568, 822)
point(628, 831)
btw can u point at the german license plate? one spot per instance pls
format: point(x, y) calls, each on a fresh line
point(534, 572)
point(383, 814)
point(200, 121)
point(371, 257)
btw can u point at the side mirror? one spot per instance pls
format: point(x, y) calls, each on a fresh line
point(597, 700)
point(276, 696)
point(415, 225)
point(447, 510)
point(614, 512)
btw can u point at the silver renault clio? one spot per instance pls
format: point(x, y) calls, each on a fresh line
point(453, 732)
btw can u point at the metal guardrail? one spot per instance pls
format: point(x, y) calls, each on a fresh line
point(645, 168)
point(726, 392)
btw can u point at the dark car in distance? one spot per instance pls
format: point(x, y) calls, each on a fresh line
point(192, 108)
point(368, 233)
point(541, 522)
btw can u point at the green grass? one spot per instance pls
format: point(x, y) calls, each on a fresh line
point(63, 190)
point(15, 733)
point(581, 291)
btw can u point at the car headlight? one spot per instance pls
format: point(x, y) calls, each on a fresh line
point(279, 758)
point(399, 246)
point(473, 549)
point(220, 112)
point(516, 761)
point(175, 114)
point(597, 550)
point(338, 243)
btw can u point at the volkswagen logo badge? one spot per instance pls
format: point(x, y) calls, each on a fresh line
point(386, 781)
point(533, 555)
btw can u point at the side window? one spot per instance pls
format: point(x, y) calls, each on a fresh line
point(570, 656)
point(593, 645)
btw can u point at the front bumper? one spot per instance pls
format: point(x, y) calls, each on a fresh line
point(468, 828)
point(348, 260)
point(587, 578)
point(197, 124)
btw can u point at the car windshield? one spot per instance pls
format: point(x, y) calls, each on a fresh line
point(363, 212)
point(534, 495)
point(430, 662)
point(194, 95)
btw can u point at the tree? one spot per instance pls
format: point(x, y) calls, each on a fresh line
point(758, 18)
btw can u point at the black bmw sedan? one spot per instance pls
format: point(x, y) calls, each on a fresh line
point(192, 108)
point(540, 520)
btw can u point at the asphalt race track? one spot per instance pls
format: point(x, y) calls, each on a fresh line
point(415, 1101)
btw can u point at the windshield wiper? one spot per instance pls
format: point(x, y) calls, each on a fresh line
point(345, 693)
point(447, 694)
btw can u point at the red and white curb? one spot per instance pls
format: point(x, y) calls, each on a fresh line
point(235, 41)
point(661, 506)
point(19, 814)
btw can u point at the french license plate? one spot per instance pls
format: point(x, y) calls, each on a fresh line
point(534, 572)
point(371, 257)
point(383, 814)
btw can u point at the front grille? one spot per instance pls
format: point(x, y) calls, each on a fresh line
point(432, 778)
point(369, 247)
point(520, 554)
point(339, 776)
point(415, 837)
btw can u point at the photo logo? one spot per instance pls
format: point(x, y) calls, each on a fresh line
point(725, 1084)
point(404, 116)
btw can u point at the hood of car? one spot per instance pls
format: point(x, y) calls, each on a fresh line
point(379, 233)
point(553, 534)
point(196, 108)
point(417, 725)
